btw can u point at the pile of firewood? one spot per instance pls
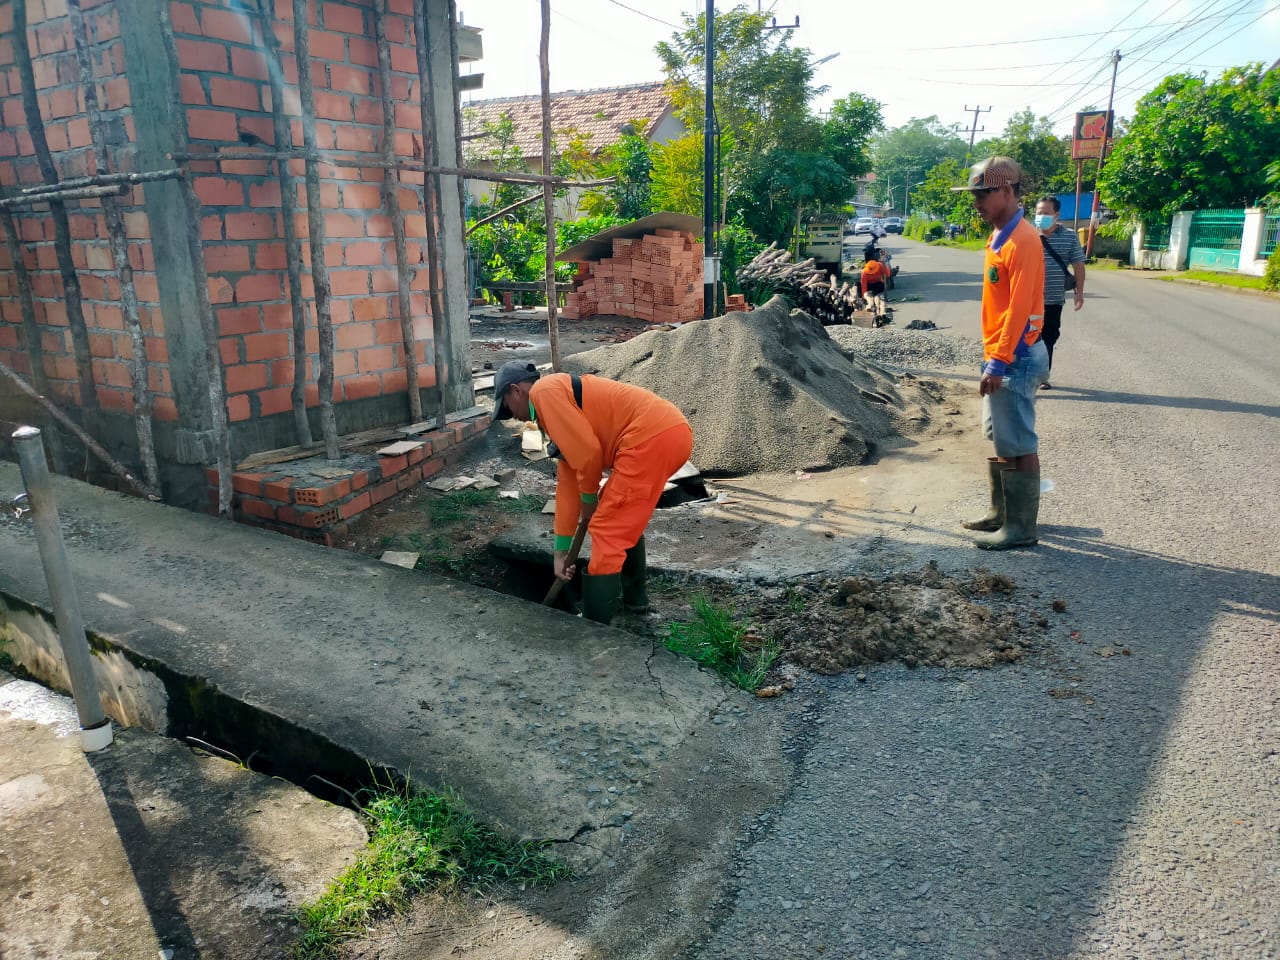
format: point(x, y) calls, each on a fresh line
point(809, 288)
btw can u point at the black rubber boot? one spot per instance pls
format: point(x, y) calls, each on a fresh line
point(635, 593)
point(1022, 509)
point(600, 595)
point(994, 519)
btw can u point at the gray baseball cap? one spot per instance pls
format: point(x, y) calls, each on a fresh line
point(513, 371)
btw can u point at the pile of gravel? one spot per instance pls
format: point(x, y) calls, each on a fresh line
point(764, 391)
point(909, 348)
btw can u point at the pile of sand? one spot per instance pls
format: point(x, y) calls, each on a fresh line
point(764, 391)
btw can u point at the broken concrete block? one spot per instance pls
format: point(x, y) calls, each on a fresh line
point(400, 558)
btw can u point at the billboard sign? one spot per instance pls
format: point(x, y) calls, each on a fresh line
point(1092, 130)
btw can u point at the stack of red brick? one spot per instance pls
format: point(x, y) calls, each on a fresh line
point(736, 303)
point(291, 499)
point(657, 277)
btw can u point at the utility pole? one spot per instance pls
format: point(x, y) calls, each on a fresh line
point(974, 130)
point(709, 171)
point(1102, 155)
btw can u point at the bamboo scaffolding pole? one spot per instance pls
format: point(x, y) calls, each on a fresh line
point(499, 214)
point(104, 180)
point(391, 200)
point(549, 191)
point(112, 464)
point(351, 158)
point(288, 208)
point(57, 211)
point(200, 280)
point(455, 64)
point(316, 231)
point(119, 245)
point(431, 199)
point(59, 195)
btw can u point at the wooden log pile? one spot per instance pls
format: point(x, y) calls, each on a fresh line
point(657, 277)
point(809, 288)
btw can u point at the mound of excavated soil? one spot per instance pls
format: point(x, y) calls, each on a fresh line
point(924, 618)
point(764, 391)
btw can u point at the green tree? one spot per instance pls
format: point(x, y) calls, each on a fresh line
point(936, 200)
point(630, 161)
point(676, 178)
point(1195, 143)
point(903, 155)
point(1045, 158)
point(847, 132)
point(497, 145)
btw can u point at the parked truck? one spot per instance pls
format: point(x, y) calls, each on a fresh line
point(824, 242)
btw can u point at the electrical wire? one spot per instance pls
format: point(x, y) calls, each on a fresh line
point(647, 16)
point(1138, 79)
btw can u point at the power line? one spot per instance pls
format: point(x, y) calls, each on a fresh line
point(1203, 36)
point(647, 16)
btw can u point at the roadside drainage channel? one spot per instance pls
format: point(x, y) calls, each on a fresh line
point(142, 692)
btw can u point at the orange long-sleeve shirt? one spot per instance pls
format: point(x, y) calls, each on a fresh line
point(614, 416)
point(1012, 293)
point(874, 272)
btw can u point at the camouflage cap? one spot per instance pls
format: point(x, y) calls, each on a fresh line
point(992, 172)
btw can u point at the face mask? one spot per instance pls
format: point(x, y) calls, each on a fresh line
point(1044, 221)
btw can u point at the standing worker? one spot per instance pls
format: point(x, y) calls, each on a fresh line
point(601, 424)
point(1015, 361)
point(1061, 247)
point(875, 275)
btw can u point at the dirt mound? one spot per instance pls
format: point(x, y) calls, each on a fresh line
point(922, 618)
point(764, 391)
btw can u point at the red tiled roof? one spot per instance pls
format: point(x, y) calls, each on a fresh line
point(599, 113)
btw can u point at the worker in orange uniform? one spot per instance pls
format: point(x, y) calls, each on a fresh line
point(600, 424)
point(875, 277)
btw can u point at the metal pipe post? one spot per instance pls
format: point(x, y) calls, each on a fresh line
point(708, 169)
point(95, 728)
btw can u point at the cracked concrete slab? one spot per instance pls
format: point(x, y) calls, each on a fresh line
point(549, 726)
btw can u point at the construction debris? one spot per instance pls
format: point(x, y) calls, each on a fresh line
point(400, 558)
point(810, 289)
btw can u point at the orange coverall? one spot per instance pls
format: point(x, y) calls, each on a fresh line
point(641, 437)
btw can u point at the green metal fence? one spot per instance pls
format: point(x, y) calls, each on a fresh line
point(1215, 239)
point(1155, 236)
point(1270, 234)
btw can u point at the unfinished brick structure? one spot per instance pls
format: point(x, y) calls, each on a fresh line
point(158, 115)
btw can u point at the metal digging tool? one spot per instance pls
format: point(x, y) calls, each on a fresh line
point(570, 558)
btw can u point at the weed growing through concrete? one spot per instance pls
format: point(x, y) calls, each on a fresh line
point(418, 842)
point(716, 639)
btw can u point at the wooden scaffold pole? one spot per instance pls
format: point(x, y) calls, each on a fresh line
point(200, 280)
point(283, 136)
point(316, 231)
point(119, 245)
point(431, 199)
point(391, 200)
point(548, 191)
point(58, 211)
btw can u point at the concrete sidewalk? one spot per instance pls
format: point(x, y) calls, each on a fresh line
point(317, 661)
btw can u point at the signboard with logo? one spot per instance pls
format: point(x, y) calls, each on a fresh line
point(1092, 130)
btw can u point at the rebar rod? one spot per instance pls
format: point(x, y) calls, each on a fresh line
point(111, 463)
point(57, 211)
point(431, 200)
point(391, 200)
point(549, 191)
point(316, 231)
point(119, 245)
point(288, 207)
point(200, 279)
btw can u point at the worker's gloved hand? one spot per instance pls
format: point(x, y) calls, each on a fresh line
point(563, 571)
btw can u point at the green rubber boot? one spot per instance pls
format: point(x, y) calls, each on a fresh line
point(1022, 507)
point(994, 519)
point(600, 594)
point(635, 592)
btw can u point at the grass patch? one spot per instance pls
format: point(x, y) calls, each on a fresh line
point(418, 842)
point(458, 505)
point(1221, 279)
point(977, 243)
point(716, 639)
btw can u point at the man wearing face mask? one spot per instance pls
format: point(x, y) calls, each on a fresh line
point(1061, 248)
point(1014, 361)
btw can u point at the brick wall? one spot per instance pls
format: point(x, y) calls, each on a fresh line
point(227, 99)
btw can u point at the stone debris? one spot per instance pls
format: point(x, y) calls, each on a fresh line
point(400, 558)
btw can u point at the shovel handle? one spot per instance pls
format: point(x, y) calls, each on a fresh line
point(570, 558)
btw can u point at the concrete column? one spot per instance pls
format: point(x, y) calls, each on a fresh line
point(1136, 256)
point(1180, 240)
point(1251, 243)
point(453, 244)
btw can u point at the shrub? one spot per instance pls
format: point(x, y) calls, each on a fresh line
point(1271, 279)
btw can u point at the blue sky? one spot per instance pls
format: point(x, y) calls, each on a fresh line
point(917, 58)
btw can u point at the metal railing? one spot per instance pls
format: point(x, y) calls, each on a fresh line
point(1155, 236)
point(1270, 234)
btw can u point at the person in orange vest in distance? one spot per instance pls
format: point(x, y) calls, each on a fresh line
point(601, 424)
point(875, 275)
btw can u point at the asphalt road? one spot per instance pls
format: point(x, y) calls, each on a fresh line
point(1118, 794)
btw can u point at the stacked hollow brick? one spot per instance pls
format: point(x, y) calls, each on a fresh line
point(224, 85)
point(657, 277)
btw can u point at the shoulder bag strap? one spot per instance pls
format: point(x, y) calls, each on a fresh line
point(1054, 253)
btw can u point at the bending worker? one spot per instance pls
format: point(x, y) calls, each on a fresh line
point(601, 424)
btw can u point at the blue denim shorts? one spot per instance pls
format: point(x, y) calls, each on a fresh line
point(1009, 414)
